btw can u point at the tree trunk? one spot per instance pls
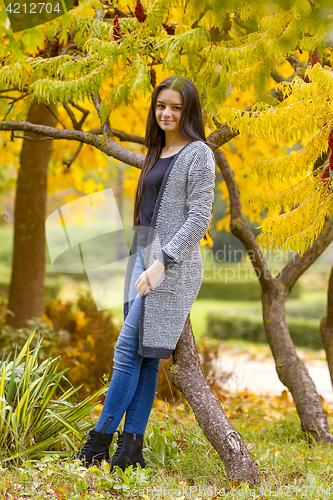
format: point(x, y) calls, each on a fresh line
point(188, 377)
point(290, 369)
point(326, 327)
point(28, 269)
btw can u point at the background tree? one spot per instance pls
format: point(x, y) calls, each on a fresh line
point(30, 210)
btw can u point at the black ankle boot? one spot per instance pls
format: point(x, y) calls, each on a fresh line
point(129, 451)
point(95, 449)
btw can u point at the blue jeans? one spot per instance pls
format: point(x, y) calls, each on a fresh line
point(134, 379)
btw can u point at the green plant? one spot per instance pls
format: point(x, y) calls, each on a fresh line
point(85, 341)
point(161, 445)
point(304, 331)
point(82, 337)
point(32, 424)
point(16, 337)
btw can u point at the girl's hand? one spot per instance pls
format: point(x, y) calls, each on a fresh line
point(148, 279)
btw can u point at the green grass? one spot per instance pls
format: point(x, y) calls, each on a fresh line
point(181, 463)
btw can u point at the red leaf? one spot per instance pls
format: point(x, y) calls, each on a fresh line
point(139, 12)
point(117, 32)
point(315, 57)
point(169, 29)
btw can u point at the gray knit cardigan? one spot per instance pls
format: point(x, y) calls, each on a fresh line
point(180, 219)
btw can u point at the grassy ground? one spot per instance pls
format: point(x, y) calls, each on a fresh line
point(181, 463)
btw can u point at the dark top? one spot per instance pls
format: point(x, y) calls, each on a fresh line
point(150, 192)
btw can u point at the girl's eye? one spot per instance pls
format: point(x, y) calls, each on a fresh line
point(175, 107)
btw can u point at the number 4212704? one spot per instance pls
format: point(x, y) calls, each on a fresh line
point(30, 8)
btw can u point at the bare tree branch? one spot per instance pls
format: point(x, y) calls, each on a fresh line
point(77, 125)
point(48, 107)
point(107, 145)
point(30, 138)
point(69, 162)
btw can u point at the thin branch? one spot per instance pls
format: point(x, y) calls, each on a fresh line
point(121, 13)
point(294, 63)
point(123, 136)
point(277, 77)
point(96, 99)
point(77, 125)
point(239, 227)
point(16, 87)
point(50, 110)
point(80, 108)
point(10, 108)
point(70, 46)
point(14, 99)
point(30, 138)
point(298, 265)
point(99, 14)
point(9, 90)
point(69, 162)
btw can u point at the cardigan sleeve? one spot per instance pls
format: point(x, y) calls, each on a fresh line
point(200, 196)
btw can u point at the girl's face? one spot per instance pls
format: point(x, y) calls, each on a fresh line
point(169, 106)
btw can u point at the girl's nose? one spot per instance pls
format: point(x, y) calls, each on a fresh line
point(166, 112)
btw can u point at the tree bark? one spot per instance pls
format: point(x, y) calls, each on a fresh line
point(188, 377)
point(26, 288)
point(290, 369)
point(326, 327)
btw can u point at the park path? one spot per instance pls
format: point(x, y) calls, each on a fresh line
point(261, 376)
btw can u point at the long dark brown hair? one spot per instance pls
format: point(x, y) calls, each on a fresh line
point(191, 127)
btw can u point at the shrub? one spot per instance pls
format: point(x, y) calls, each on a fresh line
point(82, 337)
point(86, 341)
point(31, 421)
point(304, 332)
point(236, 290)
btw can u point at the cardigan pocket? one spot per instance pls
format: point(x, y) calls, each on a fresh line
point(162, 290)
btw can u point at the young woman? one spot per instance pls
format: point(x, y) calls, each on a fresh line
point(172, 213)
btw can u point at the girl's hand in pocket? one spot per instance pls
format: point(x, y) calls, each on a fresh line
point(148, 279)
